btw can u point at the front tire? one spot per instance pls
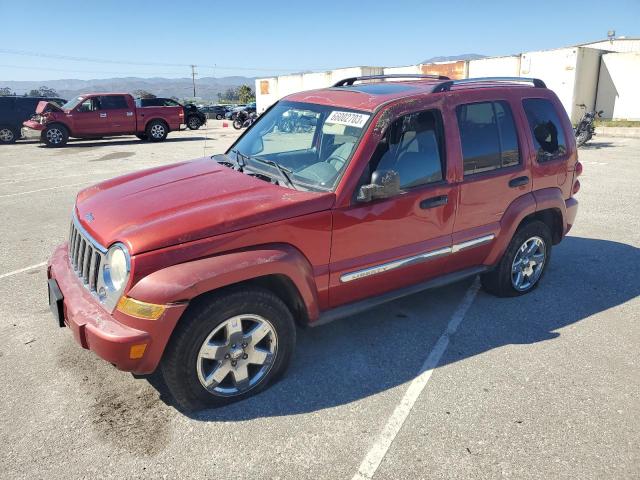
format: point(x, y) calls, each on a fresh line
point(523, 264)
point(193, 123)
point(219, 117)
point(237, 124)
point(228, 348)
point(156, 131)
point(55, 136)
point(8, 135)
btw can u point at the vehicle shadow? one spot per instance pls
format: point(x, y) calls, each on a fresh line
point(596, 145)
point(377, 350)
point(106, 142)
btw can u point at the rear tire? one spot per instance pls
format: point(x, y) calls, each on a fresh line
point(157, 131)
point(219, 117)
point(520, 270)
point(55, 135)
point(582, 138)
point(221, 340)
point(8, 135)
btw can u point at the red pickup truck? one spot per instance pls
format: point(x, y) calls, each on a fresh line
point(96, 115)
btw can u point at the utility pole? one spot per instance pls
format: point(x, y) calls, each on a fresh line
point(193, 78)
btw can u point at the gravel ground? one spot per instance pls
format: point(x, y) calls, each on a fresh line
point(542, 386)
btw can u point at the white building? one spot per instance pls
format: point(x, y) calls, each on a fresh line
point(600, 74)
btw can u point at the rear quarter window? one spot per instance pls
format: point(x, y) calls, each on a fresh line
point(546, 129)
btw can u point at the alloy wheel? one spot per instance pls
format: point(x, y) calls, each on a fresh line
point(54, 136)
point(6, 135)
point(528, 264)
point(157, 131)
point(237, 355)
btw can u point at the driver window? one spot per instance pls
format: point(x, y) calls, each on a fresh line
point(89, 105)
point(412, 146)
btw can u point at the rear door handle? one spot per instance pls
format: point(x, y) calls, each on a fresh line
point(103, 115)
point(518, 181)
point(434, 202)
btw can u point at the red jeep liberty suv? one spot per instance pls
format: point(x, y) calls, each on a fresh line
point(375, 189)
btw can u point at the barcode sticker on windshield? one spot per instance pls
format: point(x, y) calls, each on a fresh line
point(348, 118)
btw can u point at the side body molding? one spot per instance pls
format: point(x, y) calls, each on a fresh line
point(184, 281)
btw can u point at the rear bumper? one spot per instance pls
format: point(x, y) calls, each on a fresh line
point(110, 336)
point(571, 212)
point(32, 124)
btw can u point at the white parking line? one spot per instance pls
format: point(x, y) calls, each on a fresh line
point(25, 269)
point(45, 189)
point(374, 458)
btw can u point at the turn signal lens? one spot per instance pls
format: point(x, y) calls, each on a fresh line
point(136, 308)
point(137, 351)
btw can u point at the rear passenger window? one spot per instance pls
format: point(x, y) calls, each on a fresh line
point(113, 102)
point(413, 147)
point(488, 136)
point(546, 129)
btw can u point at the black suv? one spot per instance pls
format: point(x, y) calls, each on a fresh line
point(193, 117)
point(15, 110)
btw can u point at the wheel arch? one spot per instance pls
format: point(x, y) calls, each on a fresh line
point(280, 268)
point(152, 119)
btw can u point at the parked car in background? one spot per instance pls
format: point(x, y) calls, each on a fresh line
point(96, 115)
point(216, 111)
point(15, 110)
point(203, 269)
point(194, 118)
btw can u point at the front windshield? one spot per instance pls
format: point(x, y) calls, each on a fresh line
point(73, 103)
point(312, 142)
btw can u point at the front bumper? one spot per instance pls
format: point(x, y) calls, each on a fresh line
point(110, 336)
point(32, 124)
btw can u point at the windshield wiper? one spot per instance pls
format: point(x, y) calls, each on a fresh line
point(284, 172)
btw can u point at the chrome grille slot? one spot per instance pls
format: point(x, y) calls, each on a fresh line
point(85, 256)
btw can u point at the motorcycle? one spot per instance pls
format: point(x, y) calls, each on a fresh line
point(585, 130)
point(244, 119)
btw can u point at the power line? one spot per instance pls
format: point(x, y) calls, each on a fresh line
point(27, 53)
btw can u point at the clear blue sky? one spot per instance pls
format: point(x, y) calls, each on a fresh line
point(258, 38)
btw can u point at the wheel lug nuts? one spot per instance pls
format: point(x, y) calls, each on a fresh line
point(233, 363)
point(244, 345)
point(233, 346)
point(245, 356)
point(227, 356)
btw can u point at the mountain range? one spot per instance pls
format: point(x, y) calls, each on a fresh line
point(207, 88)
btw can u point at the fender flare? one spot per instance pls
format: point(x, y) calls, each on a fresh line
point(518, 210)
point(149, 120)
point(185, 281)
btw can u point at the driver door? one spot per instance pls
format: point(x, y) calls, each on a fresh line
point(386, 244)
point(86, 118)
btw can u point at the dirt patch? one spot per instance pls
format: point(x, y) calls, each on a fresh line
point(125, 412)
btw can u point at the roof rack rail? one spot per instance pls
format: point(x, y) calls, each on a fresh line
point(446, 86)
point(346, 82)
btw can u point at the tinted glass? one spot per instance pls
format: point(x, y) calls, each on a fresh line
point(488, 136)
point(546, 129)
point(412, 147)
point(113, 102)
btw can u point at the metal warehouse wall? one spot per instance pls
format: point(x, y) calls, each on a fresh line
point(618, 91)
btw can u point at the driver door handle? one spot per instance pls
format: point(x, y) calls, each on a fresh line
point(434, 202)
point(103, 115)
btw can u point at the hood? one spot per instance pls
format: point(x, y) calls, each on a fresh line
point(187, 201)
point(44, 107)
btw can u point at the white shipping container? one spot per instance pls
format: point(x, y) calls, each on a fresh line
point(618, 92)
point(495, 67)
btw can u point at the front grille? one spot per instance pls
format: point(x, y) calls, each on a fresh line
point(85, 256)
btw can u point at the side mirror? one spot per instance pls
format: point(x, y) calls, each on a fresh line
point(384, 184)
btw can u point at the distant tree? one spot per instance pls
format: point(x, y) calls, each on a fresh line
point(43, 91)
point(174, 98)
point(245, 93)
point(219, 97)
point(5, 92)
point(142, 94)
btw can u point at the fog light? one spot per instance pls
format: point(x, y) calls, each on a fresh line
point(138, 309)
point(137, 351)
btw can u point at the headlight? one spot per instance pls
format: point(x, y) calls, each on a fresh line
point(115, 274)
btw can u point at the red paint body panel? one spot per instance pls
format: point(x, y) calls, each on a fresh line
point(197, 226)
point(110, 122)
